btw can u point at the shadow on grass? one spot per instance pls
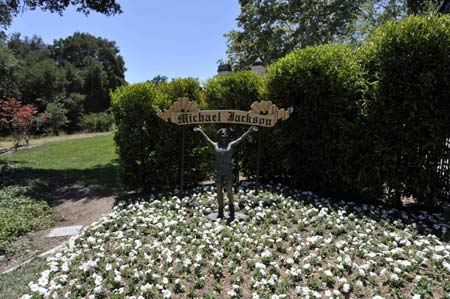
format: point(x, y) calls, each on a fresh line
point(73, 184)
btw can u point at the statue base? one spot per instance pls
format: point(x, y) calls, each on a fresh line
point(237, 216)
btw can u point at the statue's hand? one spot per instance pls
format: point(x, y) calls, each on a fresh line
point(197, 129)
point(254, 129)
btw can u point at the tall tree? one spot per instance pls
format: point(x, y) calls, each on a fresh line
point(99, 65)
point(37, 75)
point(372, 14)
point(8, 73)
point(269, 29)
point(10, 8)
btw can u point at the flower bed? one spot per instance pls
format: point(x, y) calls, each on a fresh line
point(291, 246)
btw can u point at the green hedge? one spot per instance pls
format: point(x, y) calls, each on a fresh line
point(314, 149)
point(149, 148)
point(367, 120)
point(236, 90)
point(408, 110)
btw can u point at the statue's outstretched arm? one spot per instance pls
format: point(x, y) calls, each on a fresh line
point(240, 139)
point(198, 129)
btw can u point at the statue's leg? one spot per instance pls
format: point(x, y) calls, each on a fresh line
point(229, 186)
point(219, 187)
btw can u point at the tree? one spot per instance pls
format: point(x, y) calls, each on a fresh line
point(17, 118)
point(73, 103)
point(373, 14)
point(159, 79)
point(422, 6)
point(22, 47)
point(9, 9)
point(56, 116)
point(38, 77)
point(96, 88)
point(8, 73)
point(269, 29)
point(100, 67)
point(78, 72)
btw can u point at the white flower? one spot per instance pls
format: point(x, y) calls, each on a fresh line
point(118, 278)
point(198, 257)
point(346, 288)
point(166, 293)
point(232, 293)
point(394, 277)
point(98, 289)
point(328, 273)
point(187, 262)
point(361, 272)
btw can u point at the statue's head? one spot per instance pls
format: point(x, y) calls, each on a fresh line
point(222, 135)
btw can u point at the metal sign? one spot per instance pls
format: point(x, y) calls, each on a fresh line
point(186, 112)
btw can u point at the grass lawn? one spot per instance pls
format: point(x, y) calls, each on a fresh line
point(293, 245)
point(8, 143)
point(25, 196)
point(87, 162)
point(25, 176)
point(12, 284)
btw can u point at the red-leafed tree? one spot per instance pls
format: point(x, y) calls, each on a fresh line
point(18, 118)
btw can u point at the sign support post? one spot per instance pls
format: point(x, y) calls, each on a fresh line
point(258, 161)
point(183, 138)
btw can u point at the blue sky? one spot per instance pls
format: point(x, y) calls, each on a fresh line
point(176, 38)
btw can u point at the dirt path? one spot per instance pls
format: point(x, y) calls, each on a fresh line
point(76, 205)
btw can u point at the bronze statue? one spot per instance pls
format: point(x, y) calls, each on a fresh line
point(223, 170)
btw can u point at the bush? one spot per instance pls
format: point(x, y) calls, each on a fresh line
point(409, 108)
point(23, 205)
point(315, 148)
point(236, 91)
point(149, 149)
point(73, 102)
point(56, 114)
point(18, 119)
point(96, 122)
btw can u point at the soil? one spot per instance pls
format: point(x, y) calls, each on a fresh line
point(76, 205)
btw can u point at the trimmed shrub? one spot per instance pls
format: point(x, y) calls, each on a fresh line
point(149, 149)
point(409, 108)
point(236, 90)
point(57, 118)
point(315, 148)
point(181, 87)
point(96, 122)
